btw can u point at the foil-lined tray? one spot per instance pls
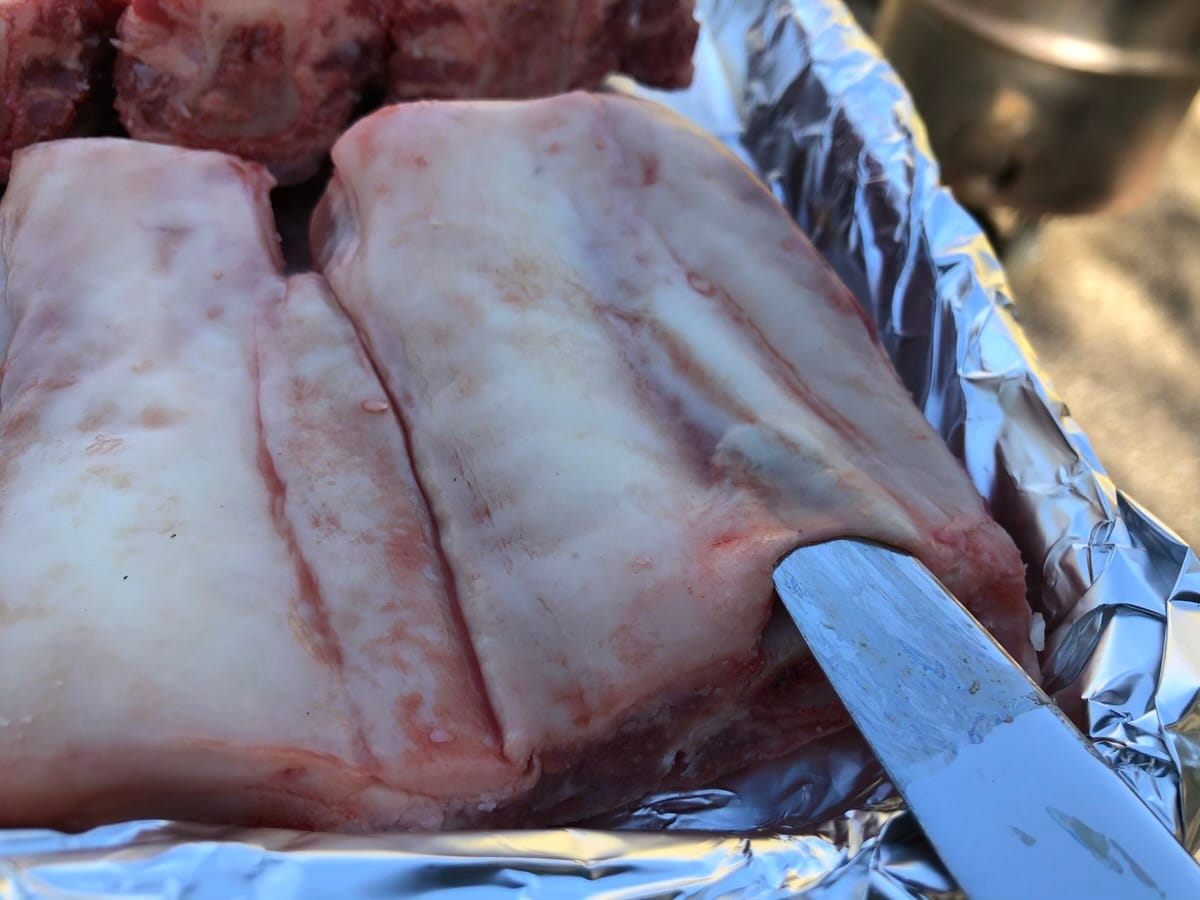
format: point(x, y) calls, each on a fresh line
point(797, 90)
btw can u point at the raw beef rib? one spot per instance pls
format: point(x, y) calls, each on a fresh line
point(273, 81)
point(630, 386)
point(219, 594)
point(48, 51)
point(483, 535)
point(513, 48)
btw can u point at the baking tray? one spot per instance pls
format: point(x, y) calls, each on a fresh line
point(796, 89)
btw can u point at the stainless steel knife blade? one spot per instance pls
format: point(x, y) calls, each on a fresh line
point(1010, 794)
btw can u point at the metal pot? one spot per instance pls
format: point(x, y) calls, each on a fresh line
point(1047, 106)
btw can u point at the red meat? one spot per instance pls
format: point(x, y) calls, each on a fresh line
point(514, 48)
point(274, 81)
point(49, 51)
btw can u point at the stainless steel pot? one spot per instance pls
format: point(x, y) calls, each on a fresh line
point(1047, 105)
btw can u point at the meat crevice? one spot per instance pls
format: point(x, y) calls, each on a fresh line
point(312, 622)
point(450, 579)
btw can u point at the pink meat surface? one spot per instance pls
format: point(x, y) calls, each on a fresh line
point(474, 49)
point(631, 386)
point(479, 531)
point(48, 52)
point(274, 81)
point(219, 591)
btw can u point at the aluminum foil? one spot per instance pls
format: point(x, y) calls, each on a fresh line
point(796, 89)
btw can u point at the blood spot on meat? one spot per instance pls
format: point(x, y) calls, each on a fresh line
point(156, 417)
point(724, 540)
point(701, 285)
point(649, 171)
point(376, 407)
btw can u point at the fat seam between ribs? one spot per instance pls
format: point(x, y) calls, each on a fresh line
point(449, 577)
point(328, 648)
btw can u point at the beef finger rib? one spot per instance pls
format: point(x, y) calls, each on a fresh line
point(477, 527)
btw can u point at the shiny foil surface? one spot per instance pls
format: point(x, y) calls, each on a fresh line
point(797, 90)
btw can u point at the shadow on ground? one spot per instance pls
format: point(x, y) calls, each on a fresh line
point(1112, 305)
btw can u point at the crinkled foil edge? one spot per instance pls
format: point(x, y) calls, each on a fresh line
point(798, 91)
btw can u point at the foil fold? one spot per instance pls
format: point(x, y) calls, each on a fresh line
point(801, 94)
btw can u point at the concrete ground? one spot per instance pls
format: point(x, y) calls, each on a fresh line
point(1111, 303)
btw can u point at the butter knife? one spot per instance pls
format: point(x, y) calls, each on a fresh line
point(1013, 798)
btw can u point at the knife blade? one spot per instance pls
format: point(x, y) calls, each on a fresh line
point(1013, 798)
